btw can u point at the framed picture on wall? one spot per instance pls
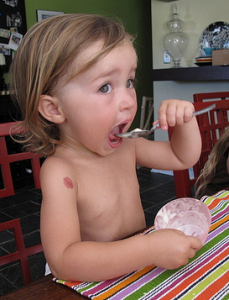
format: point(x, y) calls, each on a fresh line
point(44, 14)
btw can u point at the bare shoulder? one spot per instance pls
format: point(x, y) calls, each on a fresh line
point(57, 172)
point(56, 164)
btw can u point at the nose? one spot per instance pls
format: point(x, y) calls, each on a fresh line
point(128, 100)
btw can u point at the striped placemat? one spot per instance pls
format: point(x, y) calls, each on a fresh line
point(205, 277)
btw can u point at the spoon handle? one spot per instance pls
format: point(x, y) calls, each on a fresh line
point(204, 110)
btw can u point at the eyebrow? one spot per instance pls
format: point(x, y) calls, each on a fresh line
point(108, 73)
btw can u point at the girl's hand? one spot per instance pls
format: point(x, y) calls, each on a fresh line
point(171, 248)
point(174, 112)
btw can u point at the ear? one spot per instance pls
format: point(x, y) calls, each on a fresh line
point(49, 107)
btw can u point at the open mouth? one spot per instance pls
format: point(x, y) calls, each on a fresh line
point(116, 130)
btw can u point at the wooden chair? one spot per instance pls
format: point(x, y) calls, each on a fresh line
point(21, 254)
point(202, 97)
point(212, 125)
point(6, 159)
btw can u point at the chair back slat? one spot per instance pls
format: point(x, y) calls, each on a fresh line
point(21, 254)
point(202, 97)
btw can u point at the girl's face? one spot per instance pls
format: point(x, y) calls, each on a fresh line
point(100, 101)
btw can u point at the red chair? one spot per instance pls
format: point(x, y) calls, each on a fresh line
point(212, 125)
point(21, 254)
point(202, 97)
point(6, 159)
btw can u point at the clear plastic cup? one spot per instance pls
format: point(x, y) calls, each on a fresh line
point(188, 215)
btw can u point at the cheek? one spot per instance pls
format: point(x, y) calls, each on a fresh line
point(136, 106)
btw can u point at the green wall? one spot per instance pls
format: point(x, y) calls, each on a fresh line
point(136, 16)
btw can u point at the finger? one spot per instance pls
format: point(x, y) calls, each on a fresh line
point(196, 243)
point(188, 114)
point(179, 115)
point(192, 253)
point(162, 116)
point(157, 122)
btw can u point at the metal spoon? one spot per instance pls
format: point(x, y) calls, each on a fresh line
point(136, 133)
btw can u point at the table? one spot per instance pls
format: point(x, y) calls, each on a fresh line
point(44, 289)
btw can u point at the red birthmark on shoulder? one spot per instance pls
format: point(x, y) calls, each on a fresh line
point(68, 183)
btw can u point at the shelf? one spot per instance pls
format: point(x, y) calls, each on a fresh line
point(208, 73)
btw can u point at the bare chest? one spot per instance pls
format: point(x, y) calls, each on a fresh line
point(109, 205)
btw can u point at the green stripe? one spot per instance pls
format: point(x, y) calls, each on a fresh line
point(89, 286)
point(223, 195)
point(60, 281)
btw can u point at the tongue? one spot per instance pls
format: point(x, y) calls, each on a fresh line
point(112, 135)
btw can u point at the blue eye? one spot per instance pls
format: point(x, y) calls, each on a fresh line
point(105, 89)
point(130, 83)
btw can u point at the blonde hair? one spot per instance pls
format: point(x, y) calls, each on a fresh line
point(46, 52)
point(208, 173)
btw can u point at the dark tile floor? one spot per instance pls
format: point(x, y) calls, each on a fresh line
point(155, 189)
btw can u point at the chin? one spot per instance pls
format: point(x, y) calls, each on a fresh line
point(106, 151)
point(108, 148)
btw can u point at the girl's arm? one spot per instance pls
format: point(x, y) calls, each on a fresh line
point(183, 150)
point(98, 261)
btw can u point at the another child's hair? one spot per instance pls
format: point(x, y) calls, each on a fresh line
point(45, 54)
point(208, 172)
